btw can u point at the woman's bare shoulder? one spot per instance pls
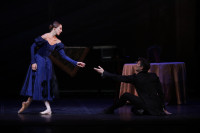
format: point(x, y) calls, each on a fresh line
point(45, 36)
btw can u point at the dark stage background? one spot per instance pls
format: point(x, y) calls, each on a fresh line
point(114, 31)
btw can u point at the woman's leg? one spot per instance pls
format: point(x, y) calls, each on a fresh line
point(48, 110)
point(25, 105)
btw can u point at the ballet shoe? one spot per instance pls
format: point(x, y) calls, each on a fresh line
point(24, 106)
point(46, 112)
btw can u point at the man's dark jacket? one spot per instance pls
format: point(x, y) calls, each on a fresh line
point(148, 87)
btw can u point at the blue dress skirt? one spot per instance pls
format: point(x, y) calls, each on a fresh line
point(41, 84)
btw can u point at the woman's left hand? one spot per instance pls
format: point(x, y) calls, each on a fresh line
point(80, 64)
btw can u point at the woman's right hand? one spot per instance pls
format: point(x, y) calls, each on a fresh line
point(34, 66)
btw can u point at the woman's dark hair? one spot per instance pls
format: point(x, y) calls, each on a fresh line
point(145, 63)
point(55, 24)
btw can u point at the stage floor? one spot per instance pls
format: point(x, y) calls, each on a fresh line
point(85, 115)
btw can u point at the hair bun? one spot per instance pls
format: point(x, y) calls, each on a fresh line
point(50, 27)
point(55, 24)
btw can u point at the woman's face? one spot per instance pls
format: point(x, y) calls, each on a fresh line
point(58, 30)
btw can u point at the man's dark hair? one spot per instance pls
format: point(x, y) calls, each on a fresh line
point(145, 63)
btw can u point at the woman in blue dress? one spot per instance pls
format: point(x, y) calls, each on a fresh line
point(38, 84)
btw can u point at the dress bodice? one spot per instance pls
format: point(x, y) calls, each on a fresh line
point(43, 48)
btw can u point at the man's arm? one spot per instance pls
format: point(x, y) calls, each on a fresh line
point(116, 77)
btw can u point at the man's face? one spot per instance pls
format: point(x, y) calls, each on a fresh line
point(139, 67)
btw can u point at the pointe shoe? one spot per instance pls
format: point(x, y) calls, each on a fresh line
point(24, 106)
point(46, 112)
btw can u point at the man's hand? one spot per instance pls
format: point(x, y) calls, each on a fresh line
point(99, 69)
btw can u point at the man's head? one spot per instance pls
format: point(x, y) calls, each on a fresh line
point(142, 65)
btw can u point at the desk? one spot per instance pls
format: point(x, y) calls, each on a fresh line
point(172, 77)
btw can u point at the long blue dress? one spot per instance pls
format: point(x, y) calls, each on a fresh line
point(39, 84)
